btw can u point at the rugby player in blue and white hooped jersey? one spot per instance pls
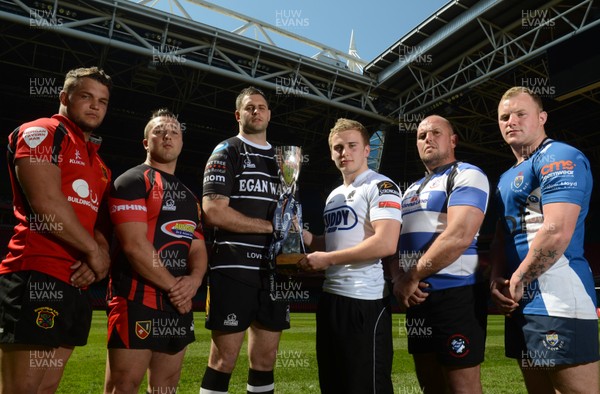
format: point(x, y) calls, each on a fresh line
point(362, 225)
point(437, 278)
point(540, 278)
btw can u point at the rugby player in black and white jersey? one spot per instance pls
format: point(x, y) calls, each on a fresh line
point(241, 189)
point(362, 224)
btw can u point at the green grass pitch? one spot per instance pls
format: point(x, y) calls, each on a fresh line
point(296, 369)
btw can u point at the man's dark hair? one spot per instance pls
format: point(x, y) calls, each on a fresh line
point(74, 76)
point(249, 91)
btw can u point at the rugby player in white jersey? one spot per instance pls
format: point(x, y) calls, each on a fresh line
point(362, 224)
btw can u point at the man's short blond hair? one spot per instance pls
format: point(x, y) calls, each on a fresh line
point(343, 124)
point(516, 90)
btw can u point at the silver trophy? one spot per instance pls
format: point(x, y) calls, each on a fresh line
point(288, 214)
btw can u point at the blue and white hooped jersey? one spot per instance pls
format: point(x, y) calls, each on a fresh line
point(349, 213)
point(554, 173)
point(425, 217)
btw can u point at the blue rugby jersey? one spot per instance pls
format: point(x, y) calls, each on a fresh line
point(424, 209)
point(554, 173)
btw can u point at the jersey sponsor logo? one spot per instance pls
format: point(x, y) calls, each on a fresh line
point(559, 165)
point(231, 320)
point(218, 166)
point(351, 194)
point(143, 328)
point(222, 146)
point(389, 204)
point(387, 187)
point(254, 256)
point(179, 228)
point(45, 317)
point(33, 136)
point(341, 218)
point(415, 202)
point(258, 186)
point(128, 207)
point(214, 178)
point(82, 188)
point(563, 185)
point(459, 345)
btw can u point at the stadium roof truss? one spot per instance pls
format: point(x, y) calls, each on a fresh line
point(168, 38)
point(459, 61)
point(500, 48)
point(266, 31)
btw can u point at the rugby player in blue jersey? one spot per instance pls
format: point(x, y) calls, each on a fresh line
point(540, 278)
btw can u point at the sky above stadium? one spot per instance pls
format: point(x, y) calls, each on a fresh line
point(377, 25)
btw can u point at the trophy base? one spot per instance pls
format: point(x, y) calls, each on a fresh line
point(289, 258)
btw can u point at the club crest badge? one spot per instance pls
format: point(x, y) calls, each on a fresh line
point(459, 345)
point(552, 341)
point(518, 180)
point(45, 317)
point(142, 328)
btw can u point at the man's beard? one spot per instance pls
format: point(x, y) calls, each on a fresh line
point(434, 160)
point(249, 128)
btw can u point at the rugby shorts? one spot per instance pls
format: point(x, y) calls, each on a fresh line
point(38, 309)
point(232, 306)
point(354, 345)
point(132, 325)
point(450, 323)
point(547, 341)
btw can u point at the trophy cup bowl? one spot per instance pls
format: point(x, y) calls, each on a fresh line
point(289, 161)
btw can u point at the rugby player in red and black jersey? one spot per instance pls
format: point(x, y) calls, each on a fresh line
point(59, 246)
point(241, 188)
point(157, 268)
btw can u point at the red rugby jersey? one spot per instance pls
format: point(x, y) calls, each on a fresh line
point(84, 182)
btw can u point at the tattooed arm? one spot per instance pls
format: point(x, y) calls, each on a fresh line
point(549, 244)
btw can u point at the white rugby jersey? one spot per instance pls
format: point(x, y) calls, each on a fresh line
point(348, 215)
point(425, 212)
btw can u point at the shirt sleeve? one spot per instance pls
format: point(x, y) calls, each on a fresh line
point(471, 187)
point(40, 141)
point(385, 201)
point(127, 199)
point(219, 173)
point(562, 171)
